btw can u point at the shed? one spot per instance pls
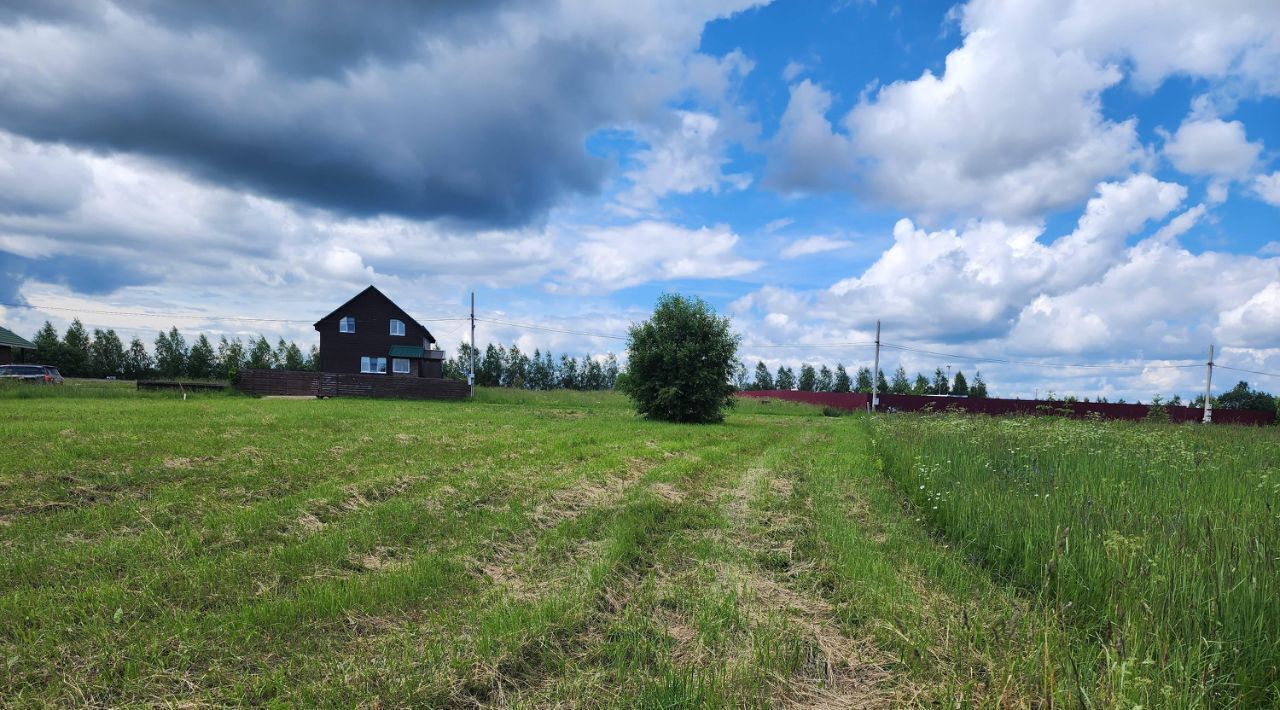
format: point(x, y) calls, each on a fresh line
point(13, 347)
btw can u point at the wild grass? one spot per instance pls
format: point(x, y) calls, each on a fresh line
point(521, 550)
point(609, 399)
point(595, 399)
point(1156, 544)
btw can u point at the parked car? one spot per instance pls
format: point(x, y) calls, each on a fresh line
point(31, 373)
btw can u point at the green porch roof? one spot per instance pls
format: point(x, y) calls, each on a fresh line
point(13, 340)
point(406, 351)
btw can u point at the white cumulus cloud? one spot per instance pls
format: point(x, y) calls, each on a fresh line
point(610, 258)
point(688, 158)
point(1013, 126)
point(1212, 147)
point(814, 245)
point(1268, 188)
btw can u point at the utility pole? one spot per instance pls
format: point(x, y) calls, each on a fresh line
point(875, 374)
point(1208, 388)
point(471, 376)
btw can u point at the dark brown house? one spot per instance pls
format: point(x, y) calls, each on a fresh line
point(370, 334)
point(13, 347)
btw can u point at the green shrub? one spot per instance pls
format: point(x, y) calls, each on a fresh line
point(681, 362)
point(1157, 412)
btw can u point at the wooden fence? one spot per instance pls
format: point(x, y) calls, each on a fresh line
point(853, 401)
point(294, 383)
point(178, 385)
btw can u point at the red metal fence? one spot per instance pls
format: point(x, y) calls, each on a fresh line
point(853, 401)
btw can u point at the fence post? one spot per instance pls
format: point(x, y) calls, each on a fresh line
point(471, 376)
point(875, 373)
point(1208, 389)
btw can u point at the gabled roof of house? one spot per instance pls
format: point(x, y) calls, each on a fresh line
point(383, 296)
point(13, 340)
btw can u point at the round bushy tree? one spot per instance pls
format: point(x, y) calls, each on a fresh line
point(681, 362)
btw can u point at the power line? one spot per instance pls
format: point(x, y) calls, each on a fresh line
point(1251, 372)
point(549, 329)
point(532, 326)
point(199, 316)
point(1007, 361)
point(904, 348)
point(858, 344)
point(569, 331)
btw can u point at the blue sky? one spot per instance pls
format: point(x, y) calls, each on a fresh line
point(1061, 182)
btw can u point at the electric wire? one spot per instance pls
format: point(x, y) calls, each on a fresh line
point(1251, 372)
point(198, 316)
point(583, 333)
point(549, 329)
point(532, 326)
point(857, 344)
point(1007, 361)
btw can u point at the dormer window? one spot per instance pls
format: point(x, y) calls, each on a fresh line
point(347, 325)
point(397, 327)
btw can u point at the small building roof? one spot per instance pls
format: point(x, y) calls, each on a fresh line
point(383, 296)
point(406, 351)
point(13, 340)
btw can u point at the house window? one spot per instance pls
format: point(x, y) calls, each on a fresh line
point(373, 365)
point(397, 327)
point(347, 325)
point(400, 365)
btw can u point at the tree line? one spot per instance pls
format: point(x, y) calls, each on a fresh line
point(1242, 396)
point(824, 379)
point(499, 366)
point(102, 353)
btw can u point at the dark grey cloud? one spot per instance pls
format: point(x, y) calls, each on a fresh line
point(12, 268)
point(471, 110)
point(38, 182)
point(86, 275)
point(290, 36)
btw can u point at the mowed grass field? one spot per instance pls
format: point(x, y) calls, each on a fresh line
point(533, 549)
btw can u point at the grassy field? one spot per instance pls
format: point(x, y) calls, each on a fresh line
point(522, 549)
point(1158, 543)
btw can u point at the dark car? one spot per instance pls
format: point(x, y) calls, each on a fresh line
point(31, 373)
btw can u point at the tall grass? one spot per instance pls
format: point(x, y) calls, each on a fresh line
point(1158, 543)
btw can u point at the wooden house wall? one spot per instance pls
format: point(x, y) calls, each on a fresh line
point(341, 352)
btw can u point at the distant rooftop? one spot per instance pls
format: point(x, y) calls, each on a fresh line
point(13, 340)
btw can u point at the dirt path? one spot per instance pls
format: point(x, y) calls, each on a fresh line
point(840, 671)
point(747, 601)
